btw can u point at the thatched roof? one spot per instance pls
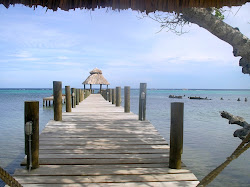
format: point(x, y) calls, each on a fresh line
point(96, 77)
point(141, 5)
point(96, 71)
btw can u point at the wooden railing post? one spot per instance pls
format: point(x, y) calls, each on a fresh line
point(127, 99)
point(68, 98)
point(57, 93)
point(88, 92)
point(77, 96)
point(83, 94)
point(73, 95)
point(104, 94)
point(113, 96)
point(118, 96)
point(176, 135)
point(107, 94)
point(110, 95)
point(80, 95)
point(31, 117)
point(142, 101)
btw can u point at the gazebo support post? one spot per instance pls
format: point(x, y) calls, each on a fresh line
point(84, 87)
point(100, 88)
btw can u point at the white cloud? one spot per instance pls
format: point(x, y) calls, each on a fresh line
point(21, 54)
point(62, 58)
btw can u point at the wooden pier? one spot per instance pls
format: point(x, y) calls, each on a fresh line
point(47, 100)
point(97, 144)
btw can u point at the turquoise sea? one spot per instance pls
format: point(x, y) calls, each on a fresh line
point(208, 138)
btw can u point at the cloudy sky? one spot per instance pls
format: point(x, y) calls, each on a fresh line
point(38, 47)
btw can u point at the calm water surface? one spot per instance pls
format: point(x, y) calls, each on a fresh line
point(208, 138)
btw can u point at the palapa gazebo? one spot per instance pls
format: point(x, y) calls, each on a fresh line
point(96, 78)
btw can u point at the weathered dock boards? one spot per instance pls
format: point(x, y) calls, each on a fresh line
point(97, 144)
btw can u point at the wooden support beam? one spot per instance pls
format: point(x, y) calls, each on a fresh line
point(68, 98)
point(57, 93)
point(31, 114)
point(113, 96)
point(176, 135)
point(118, 96)
point(142, 101)
point(127, 99)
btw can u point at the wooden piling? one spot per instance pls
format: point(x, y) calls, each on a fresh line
point(118, 96)
point(107, 94)
point(110, 95)
point(176, 135)
point(127, 99)
point(142, 101)
point(73, 97)
point(31, 114)
point(85, 94)
point(57, 92)
point(113, 96)
point(68, 98)
point(82, 94)
point(104, 93)
point(77, 97)
point(100, 88)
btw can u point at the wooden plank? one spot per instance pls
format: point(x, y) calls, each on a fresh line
point(103, 151)
point(70, 131)
point(103, 127)
point(80, 135)
point(83, 171)
point(106, 178)
point(127, 184)
point(101, 161)
point(98, 122)
point(106, 166)
point(104, 147)
point(101, 156)
point(86, 142)
point(102, 139)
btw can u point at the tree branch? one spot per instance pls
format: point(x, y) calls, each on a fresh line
point(170, 21)
point(208, 21)
point(241, 133)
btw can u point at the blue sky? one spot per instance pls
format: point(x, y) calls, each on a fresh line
point(38, 47)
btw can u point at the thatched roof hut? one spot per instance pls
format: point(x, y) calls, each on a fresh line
point(95, 78)
point(141, 5)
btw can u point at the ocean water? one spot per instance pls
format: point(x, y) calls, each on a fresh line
point(208, 138)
